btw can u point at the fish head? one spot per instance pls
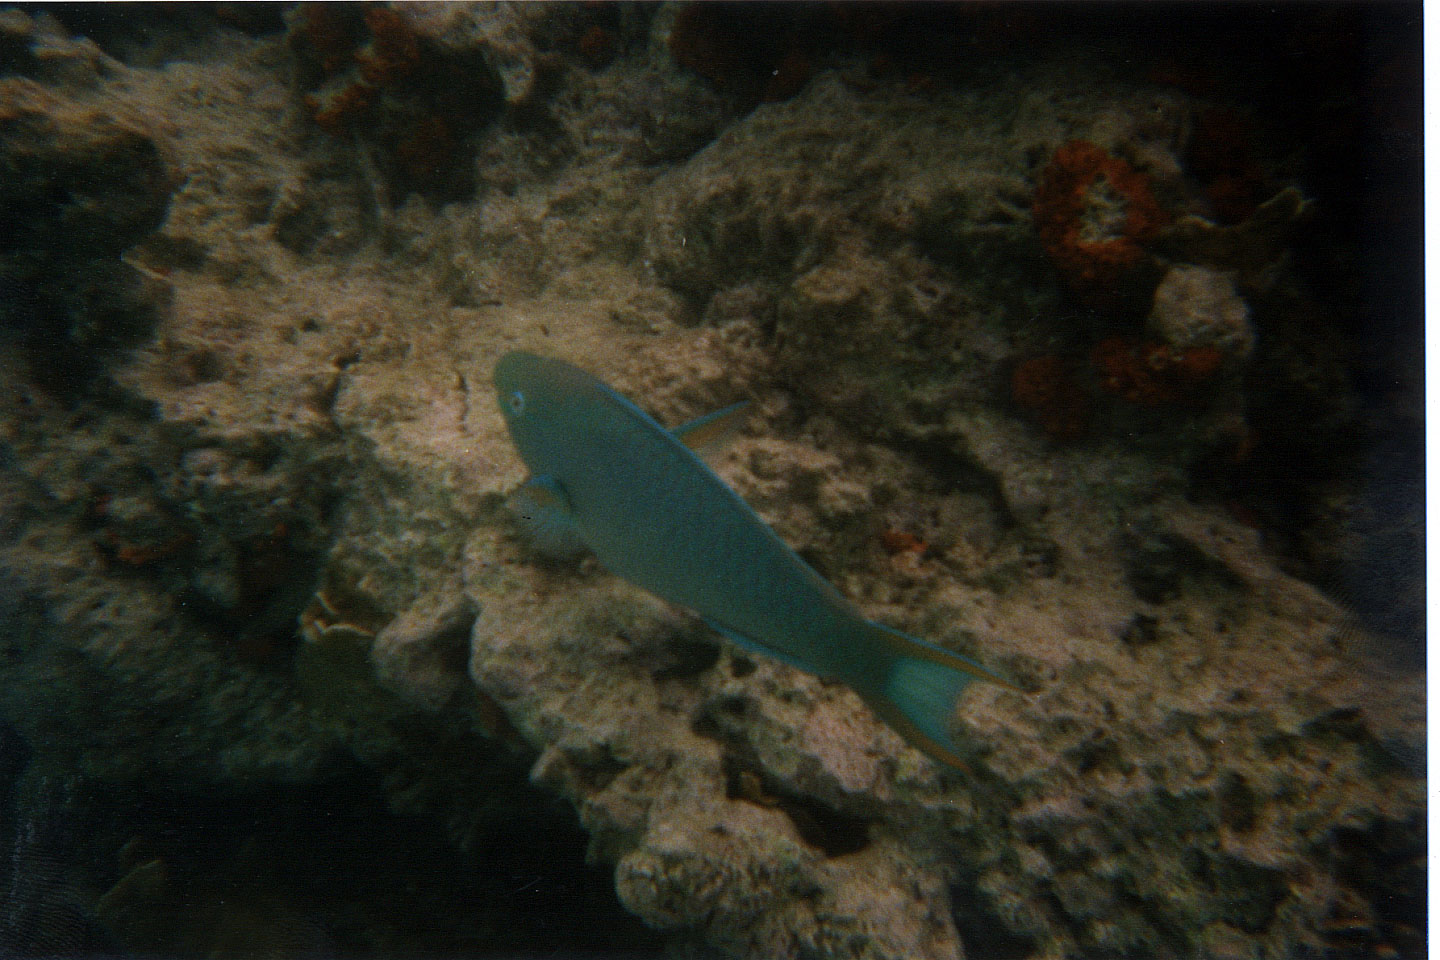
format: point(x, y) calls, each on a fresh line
point(546, 404)
point(525, 399)
point(517, 374)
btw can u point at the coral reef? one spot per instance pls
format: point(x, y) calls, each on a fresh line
point(1198, 339)
point(281, 669)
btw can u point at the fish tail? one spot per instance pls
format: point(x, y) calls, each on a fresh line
point(917, 690)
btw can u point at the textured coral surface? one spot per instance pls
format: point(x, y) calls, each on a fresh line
point(1052, 361)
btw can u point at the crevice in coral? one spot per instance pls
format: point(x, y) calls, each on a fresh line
point(819, 824)
point(1381, 911)
point(982, 931)
point(958, 473)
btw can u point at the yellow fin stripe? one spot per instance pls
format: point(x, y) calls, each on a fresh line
point(927, 744)
point(713, 426)
point(905, 646)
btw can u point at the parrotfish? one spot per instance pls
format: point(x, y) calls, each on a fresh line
point(607, 476)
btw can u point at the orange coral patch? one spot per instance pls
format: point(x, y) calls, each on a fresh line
point(393, 51)
point(898, 541)
point(1152, 374)
point(1093, 211)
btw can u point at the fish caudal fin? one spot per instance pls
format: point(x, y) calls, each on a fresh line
point(918, 691)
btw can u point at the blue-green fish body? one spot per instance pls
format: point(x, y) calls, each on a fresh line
point(606, 475)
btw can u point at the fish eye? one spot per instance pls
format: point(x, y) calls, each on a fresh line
point(515, 403)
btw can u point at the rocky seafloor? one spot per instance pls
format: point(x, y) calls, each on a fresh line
point(1080, 340)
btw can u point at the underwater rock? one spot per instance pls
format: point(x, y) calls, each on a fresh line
point(422, 652)
point(41, 49)
point(378, 75)
point(1044, 386)
point(1250, 245)
point(86, 178)
point(99, 155)
point(506, 39)
point(1198, 307)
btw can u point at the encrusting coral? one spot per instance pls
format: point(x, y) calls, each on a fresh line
point(1151, 374)
point(1094, 212)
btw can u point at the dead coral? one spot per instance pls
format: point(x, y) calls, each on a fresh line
point(1199, 307)
point(422, 654)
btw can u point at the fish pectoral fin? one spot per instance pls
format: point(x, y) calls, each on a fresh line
point(919, 688)
point(543, 509)
point(706, 436)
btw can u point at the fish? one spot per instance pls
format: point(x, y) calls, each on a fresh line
point(606, 477)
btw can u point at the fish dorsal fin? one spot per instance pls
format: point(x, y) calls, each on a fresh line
point(543, 508)
point(706, 435)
